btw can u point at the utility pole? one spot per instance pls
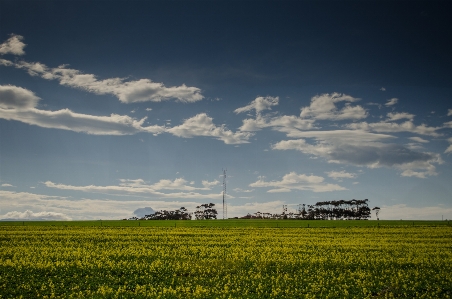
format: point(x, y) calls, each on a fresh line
point(225, 205)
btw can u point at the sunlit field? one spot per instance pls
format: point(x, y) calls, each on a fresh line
point(74, 261)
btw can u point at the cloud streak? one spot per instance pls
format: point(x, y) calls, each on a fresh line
point(294, 181)
point(140, 187)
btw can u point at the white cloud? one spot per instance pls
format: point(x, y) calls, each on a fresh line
point(209, 185)
point(30, 215)
point(65, 119)
point(13, 45)
point(398, 116)
point(142, 90)
point(85, 208)
point(383, 89)
point(14, 97)
point(449, 149)
point(391, 102)
point(7, 185)
point(348, 148)
point(323, 107)
point(294, 181)
point(449, 112)
point(202, 125)
point(418, 139)
point(18, 104)
point(391, 127)
point(337, 175)
point(259, 104)
point(243, 190)
point(140, 187)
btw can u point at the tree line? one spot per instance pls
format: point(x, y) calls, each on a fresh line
point(323, 210)
point(204, 211)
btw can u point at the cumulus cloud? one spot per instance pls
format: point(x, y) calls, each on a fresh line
point(294, 181)
point(14, 97)
point(391, 102)
point(209, 185)
point(345, 148)
point(202, 125)
point(13, 45)
point(30, 215)
point(259, 104)
point(323, 107)
point(337, 175)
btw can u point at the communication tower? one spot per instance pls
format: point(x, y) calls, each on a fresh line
point(225, 205)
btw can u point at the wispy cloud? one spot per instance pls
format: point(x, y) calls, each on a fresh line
point(30, 215)
point(259, 104)
point(19, 104)
point(391, 102)
point(140, 187)
point(449, 149)
point(399, 116)
point(449, 112)
point(418, 139)
point(142, 90)
point(391, 127)
point(243, 190)
point(13, 45)
point(337, 175)
point(294, 181)
point(7, 185)
point(127, 91)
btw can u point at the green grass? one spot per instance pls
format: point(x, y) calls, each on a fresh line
point(231, 223)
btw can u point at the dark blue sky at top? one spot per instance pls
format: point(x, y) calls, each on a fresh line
point(283, 42)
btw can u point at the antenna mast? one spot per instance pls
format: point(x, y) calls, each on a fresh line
point(225, 205)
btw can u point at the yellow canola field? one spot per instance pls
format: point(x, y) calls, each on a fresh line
point(150, 262)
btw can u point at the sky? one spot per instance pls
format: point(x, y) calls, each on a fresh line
point(114, 109)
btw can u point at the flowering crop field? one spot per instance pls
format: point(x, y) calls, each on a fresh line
point(219, 262)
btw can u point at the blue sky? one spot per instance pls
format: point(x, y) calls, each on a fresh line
point(107, 107)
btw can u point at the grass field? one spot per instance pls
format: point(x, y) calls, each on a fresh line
point(231, 223)
point(85, 260)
